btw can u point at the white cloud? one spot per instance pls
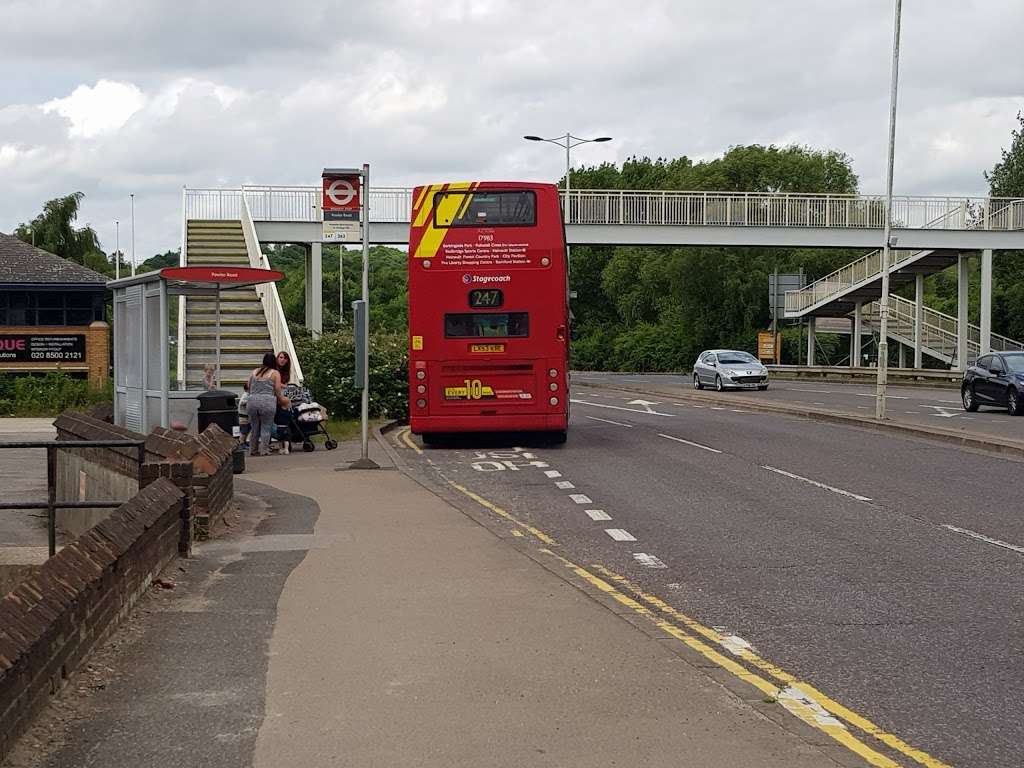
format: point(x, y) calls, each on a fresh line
point(99, 109)
point(164, 96)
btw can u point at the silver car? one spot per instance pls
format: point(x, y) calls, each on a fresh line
point(729, 369)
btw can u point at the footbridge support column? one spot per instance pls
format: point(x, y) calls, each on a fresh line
point(918, 319)
point(963, 276)
point(314, 289)
point(986, 301)
point(810, 340)
point(856, 335)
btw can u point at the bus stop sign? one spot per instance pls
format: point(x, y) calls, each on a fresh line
point(341, 203)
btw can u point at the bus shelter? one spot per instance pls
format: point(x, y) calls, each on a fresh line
point(143, 395)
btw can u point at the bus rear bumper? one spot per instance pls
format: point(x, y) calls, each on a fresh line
point(517, 422)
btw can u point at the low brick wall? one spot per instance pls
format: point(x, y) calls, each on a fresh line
point(51, 622)
point(201, 465)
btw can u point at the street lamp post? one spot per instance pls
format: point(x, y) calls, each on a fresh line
point(883, 304)
point(117, 250)
point(132, 196)
point(568, 141)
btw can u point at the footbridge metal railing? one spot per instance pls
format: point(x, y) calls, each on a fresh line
point(661, 208)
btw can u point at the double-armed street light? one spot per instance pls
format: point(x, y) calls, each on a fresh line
point(568, 141)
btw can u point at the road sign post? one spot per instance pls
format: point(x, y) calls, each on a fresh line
point(346, 218)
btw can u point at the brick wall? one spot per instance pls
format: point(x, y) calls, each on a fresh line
point(201, 465)
point(50, 623)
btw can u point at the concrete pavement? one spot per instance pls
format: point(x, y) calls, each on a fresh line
point(359, 619)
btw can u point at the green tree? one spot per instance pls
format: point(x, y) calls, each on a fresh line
point(54, 230)
point(1007, 180)
point(647, 308)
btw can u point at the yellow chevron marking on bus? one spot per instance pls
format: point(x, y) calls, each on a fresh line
point(433, 236)
point(427, 205)
point(419, 197)
point(812, 693)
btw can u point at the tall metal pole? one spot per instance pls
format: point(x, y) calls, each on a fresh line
point(117, 250)
point(883, 305)
point(133, 233)
point(341, 284)
point(365, 415)
point(568, 171)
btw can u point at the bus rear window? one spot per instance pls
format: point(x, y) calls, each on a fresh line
point(486, 209)
point(490, 325)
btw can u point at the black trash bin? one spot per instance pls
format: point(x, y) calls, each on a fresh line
point(218, 406)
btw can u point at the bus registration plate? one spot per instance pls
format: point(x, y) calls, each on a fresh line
point(486, 348)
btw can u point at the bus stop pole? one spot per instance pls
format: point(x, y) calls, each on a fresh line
point(364, 461)
point(216, 325)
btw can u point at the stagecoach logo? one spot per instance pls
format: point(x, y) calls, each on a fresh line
point(469, 279)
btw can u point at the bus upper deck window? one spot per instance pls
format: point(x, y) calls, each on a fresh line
point(514, 208)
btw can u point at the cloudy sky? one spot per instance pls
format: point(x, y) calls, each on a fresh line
point(113, 97)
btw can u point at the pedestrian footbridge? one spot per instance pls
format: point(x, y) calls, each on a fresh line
point(931, 233)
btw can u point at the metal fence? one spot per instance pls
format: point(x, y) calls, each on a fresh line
point(662, 208)
point(52, 504)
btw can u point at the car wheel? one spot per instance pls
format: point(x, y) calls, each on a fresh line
point(718, 383)
point(969, 400)
point(696, 382)
point(1013, 403)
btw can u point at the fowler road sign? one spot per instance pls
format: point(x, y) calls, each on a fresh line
point(341, 205)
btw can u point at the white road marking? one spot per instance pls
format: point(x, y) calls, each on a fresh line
point(579, 498)
point(646, 404)
point(716, 408)
point(942, 411)
point(698, 406)
point(798, 702)
point(563, 485)
point(598, 514)
point(648, 561)
point(609, 421)
point(529, 456)
point(887, 397)
point(912, 413)
point(796, 389)
point(733, 643)
point(817, 403)
point(620, 535)
point(552, 473)
point(737, 410)
point(983, 537)
point(690, 442)
point(815, 483)
point(618, 407)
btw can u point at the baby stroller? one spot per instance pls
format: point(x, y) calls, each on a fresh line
point(306, 420)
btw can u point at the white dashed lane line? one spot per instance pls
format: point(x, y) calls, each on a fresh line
point(983, 537)
point(563, 485)
point(580, 498)
point(690, 443)
point(598, 514)
point(552, 473)
point(608, 421)
point(815, 483)
point(618, 534)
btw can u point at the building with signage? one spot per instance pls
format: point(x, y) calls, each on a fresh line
point(52, 313)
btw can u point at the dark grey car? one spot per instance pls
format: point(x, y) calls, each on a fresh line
point(995, 379)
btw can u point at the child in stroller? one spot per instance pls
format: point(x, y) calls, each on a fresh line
point(305, 419)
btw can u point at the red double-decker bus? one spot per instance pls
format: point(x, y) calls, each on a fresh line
point(488, 310)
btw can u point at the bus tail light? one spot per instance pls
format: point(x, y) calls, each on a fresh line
point(421, 403)
point(560, 333)
point(421, 375)
point(421, 388)
point(553, 372)
point(553, 386)
point(553, 401)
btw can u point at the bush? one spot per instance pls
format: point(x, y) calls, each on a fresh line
point(48, 394)
point(328, 365)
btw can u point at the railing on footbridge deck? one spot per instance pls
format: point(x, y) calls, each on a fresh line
point(659, 208)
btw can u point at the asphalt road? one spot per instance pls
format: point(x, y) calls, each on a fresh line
point(923, 406)
point(884, 570)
